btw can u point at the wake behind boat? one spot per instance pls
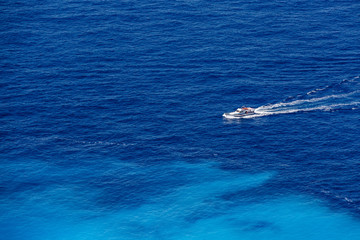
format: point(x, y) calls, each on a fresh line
point(242, 112)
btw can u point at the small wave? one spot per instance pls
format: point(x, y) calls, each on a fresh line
point(99, 142)
point(105, 143)
point(335, 85)
point(337, 196)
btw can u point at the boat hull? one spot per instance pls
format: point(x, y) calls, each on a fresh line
point(235, 115)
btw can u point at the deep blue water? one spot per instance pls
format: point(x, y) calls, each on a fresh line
point(112, 128)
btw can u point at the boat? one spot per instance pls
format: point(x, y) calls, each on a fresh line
point(242, 112)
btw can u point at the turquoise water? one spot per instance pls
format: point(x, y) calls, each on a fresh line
point(179, 214)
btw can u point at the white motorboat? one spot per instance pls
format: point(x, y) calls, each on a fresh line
point(242, 112)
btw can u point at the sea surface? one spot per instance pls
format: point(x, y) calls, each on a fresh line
point(112, 128)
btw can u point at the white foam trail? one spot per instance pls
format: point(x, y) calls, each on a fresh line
point(298, 102)
point(259, 113)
